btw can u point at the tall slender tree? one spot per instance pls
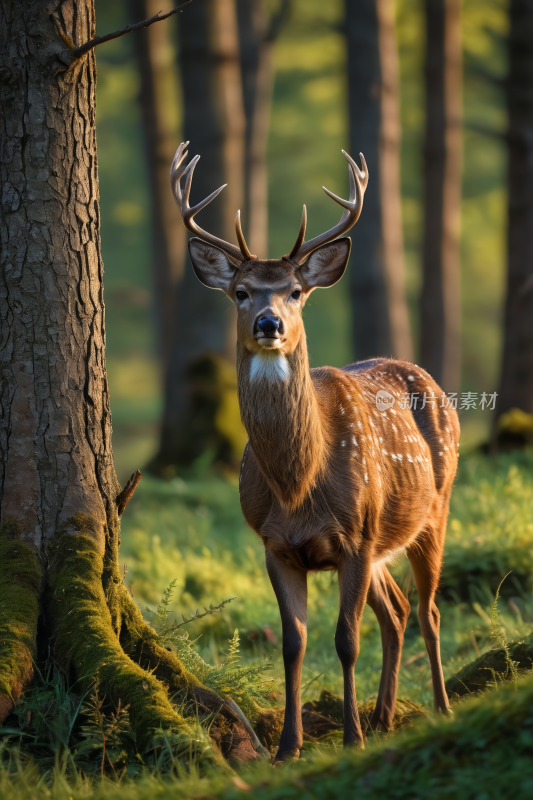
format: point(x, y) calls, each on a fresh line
point(155, 60)
point(379, 308)
point(200, 407)
point(440, 309)
point(60, 500)
point(257, 35)
point(516, 382)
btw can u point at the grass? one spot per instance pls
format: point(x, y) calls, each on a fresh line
point(190, 530)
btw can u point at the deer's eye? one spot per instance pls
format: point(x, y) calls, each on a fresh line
point(296, 294)
point(241, 295)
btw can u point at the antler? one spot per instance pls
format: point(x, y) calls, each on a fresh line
point(178, 171)
point(350, 215)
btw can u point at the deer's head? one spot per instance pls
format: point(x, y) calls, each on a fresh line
point(269, 294)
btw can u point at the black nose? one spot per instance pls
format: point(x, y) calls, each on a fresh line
point(269, 325)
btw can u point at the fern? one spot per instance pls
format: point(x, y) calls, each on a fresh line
point(500, 637)
point(245, 685)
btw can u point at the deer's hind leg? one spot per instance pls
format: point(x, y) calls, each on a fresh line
point(355, 573)
point(425, 557)
point(391, 608)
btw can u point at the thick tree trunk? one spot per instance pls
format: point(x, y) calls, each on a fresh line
point(201, 408)
point(59, 527)
point(516, 384)
point(379, 308)
point(440, 310)
point(56, 426)
point(152, 48)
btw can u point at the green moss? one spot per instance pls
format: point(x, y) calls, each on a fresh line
point(85, 635)
point(140, 642)
point(491, 667)
point(20, 589)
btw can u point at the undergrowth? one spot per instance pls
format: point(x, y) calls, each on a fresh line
point(55, 726)
point(190, 534)
point(245, 685)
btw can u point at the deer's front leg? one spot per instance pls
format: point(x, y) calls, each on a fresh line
point(290, 586)
point(354, 582)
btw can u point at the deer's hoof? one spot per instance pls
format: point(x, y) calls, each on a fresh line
point(286, 757)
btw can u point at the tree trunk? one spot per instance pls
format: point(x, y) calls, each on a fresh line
point(440, 310)
point(257, 36)
point(59, 527)
point(379, 308)
point(168, 234)
point(201, 407)
point(516, 384)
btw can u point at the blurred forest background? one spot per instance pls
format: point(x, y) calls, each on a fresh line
point(308, 127)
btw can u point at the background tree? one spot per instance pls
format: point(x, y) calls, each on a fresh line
point(59, 495)
point(379, 308)
point(257, 36)
point(167, 246)
point(440, 309)
point(516, 382)
point(200, 402)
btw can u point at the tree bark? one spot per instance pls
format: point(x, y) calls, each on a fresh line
point(167, 231)
point(440, 309)
point(200, 387)
point(516, 382)
point(59, 526)
point(379, 308)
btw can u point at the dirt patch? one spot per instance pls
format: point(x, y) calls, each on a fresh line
point(322, 717)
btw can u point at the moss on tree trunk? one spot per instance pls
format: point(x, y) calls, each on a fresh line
point(20, 590)
point(59, 531)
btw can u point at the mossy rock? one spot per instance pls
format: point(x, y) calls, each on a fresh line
point(491, 667)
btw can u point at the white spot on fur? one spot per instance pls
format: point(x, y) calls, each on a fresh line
point(410, 377)
point(270, 366)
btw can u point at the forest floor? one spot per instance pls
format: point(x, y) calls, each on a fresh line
point(190, 530)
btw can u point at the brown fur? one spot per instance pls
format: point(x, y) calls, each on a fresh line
point(328, 481)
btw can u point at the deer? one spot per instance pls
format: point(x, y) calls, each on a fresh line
point(331, 478)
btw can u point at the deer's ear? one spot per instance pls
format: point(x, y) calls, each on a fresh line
point(211, 266)
point(327, 264)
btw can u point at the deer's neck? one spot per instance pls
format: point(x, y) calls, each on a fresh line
point(282, 415)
